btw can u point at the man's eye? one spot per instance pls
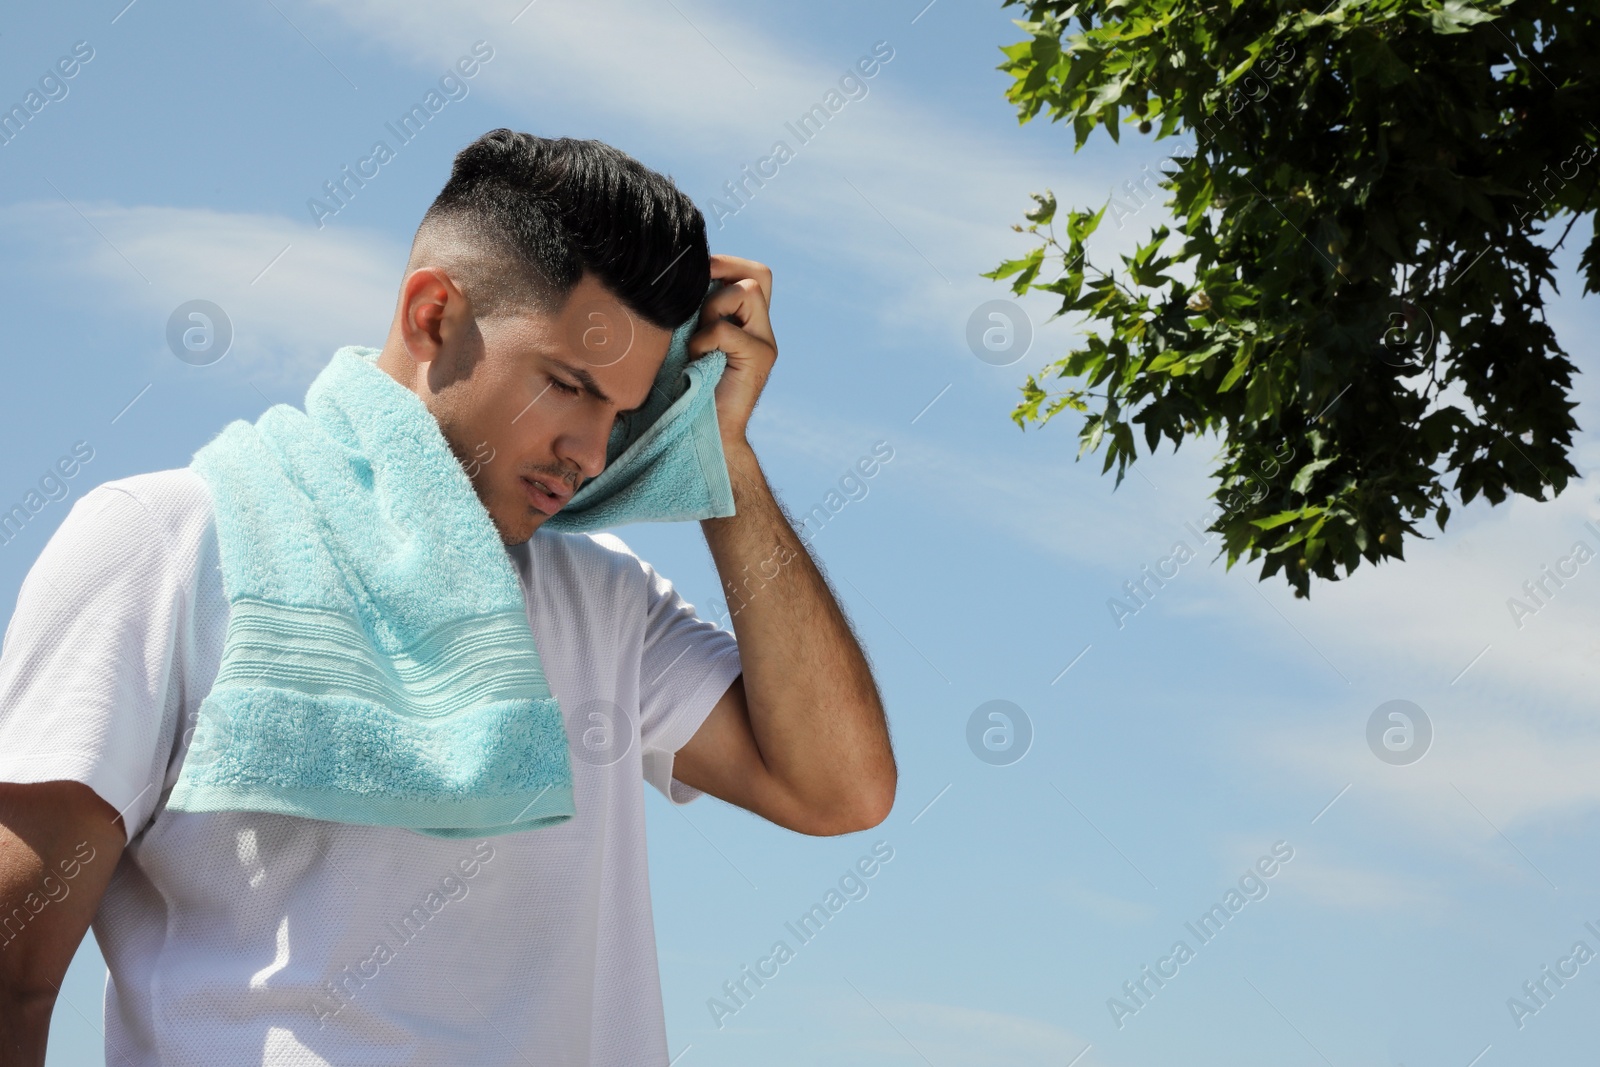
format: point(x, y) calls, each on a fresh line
point(571, 390)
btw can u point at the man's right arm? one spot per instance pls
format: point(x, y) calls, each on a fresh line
point(59, 843)
point(86, 666)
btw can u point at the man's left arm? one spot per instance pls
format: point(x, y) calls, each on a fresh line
point(800, 737)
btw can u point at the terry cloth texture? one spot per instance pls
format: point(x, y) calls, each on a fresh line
point(379, 667)
point(664, 463)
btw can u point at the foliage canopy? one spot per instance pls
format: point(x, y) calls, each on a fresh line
point(1355, 300)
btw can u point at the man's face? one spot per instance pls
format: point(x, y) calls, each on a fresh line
point(534, 398)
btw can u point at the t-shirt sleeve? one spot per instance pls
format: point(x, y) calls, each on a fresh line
point(686, 666)
point(88, 656)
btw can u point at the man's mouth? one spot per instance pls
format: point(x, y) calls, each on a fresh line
point(546, 494)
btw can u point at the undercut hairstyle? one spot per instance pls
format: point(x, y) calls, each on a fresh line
point(522, 218)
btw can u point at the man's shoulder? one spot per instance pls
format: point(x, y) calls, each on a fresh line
point(125, 546)
point(177, 488)
point(177, 501)
point(154, 519)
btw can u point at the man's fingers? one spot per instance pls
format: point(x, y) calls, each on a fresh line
point(733, 340)
point(745, 301)
point(736, 268)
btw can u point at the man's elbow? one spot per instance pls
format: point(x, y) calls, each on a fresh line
point(866, 810)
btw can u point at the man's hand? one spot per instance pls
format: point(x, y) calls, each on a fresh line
point(746, 336)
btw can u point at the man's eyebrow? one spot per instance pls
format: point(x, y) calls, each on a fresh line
point(592, 387)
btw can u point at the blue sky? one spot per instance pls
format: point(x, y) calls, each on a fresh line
point(1224, 719)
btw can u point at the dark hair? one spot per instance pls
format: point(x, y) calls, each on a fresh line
point(523, 217)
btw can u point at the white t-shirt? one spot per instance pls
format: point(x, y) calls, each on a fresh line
point(249, 938)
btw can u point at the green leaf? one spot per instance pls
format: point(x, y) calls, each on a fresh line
point(1010, 266)
point(1199, 200)
point(1457, 16)
point(1241, 362)
point(1302, 479)
point(1080, 224)
point(1260, 397)
point(1109, 93)
point(1272, 522)
point(1031, 264)
point(1028, 266)
point(1091, 437)
point(1166, 360)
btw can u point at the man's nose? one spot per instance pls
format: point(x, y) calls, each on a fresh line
point(584, 446)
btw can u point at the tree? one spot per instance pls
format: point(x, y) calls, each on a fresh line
point(1356, 305)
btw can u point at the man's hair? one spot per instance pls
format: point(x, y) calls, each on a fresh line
point(523, 217)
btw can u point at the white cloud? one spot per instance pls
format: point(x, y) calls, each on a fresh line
point(327, 289)
point(1448, 600)
point(1519, 768)
point(646, 63)
point(1044, 501)
point(1105, 905)
point(932, 200)
point(951, 1033)
point(1350, 888)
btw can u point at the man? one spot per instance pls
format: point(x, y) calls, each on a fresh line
point(248, 937)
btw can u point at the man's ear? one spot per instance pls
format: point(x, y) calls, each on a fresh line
point(435, 314)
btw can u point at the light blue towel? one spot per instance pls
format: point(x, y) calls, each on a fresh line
point(664, 463)
point(378, 666)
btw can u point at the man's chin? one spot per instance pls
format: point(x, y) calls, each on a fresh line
point(519, 525)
